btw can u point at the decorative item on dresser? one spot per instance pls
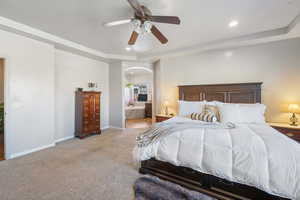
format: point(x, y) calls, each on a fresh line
point(289, 130)
point(148, 110)
point(87, 113)
point(166, 103)
point(294, 109)
point(161, 118)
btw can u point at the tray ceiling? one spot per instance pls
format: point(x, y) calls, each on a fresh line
point(203, 21)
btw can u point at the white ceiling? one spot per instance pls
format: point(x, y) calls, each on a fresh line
point(137, 72)
point(203, 21)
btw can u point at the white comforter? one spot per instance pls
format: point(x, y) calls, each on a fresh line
point(252, 154)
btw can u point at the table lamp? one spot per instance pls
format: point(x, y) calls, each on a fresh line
point(166, 107)
point(294, 108)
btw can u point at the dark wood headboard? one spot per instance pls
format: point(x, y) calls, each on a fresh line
point(227, 93)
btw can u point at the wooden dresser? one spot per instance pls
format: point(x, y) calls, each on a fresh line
point(291, 131)
point(87, 113)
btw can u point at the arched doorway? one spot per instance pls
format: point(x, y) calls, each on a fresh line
point(138, 97)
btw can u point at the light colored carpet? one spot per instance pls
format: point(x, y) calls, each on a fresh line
point(99, 167)
point(139, 123)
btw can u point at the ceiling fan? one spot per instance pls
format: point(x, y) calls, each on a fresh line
point(142, 21)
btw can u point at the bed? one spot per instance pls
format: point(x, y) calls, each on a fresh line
point(219, 186)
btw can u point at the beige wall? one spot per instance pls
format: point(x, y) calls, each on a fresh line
point(116, 95)
point(157, 87)
point(30, 94)
point(1, 80)
point(140, 78)
point(73, 71)
point(276, 64)
point(40, 83)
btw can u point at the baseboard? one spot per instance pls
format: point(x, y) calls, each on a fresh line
point(114, 127)
point(16, 155)
point(64, 139)
point(30, 151)
point(104, 128)
point(72, 136)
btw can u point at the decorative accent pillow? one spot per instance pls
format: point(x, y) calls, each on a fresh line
point(209, 114)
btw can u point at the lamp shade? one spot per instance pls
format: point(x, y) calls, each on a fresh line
point(294, 108)
point(166, 103)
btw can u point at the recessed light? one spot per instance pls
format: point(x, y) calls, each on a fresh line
point(228, 54)
point(128, 48)
point(233, 23)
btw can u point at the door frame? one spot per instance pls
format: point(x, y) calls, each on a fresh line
point(150, 70)
point(6, 105)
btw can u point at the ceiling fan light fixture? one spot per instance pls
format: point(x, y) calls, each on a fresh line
point(139, 30)
point(137, 26)
point(147, 26)
point(142, 22)
point(142, 28)
point(136, 23)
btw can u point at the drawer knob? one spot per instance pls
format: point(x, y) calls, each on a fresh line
point(290, 134)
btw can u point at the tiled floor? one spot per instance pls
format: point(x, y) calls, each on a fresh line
point(1, 146)
point(138, 123)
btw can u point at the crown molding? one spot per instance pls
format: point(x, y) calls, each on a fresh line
point(293, 23)
point(60, 43)
point(292, 30)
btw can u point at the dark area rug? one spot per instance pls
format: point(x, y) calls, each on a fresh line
point(152, 188)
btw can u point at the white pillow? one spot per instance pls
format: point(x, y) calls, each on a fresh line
point(186, 108)
point(252, 113)
point(229, 113)
point(242, 113)
point(213, 103)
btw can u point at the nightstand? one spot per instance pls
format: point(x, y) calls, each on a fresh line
point(291, 131)
point(161, 118)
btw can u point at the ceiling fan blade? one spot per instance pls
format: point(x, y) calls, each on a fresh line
point(159, 35)
point(133, 38)
point(165, 19)
point(119, 22)
point(137, 7)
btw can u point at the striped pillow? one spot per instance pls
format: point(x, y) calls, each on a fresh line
point(209, 114)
